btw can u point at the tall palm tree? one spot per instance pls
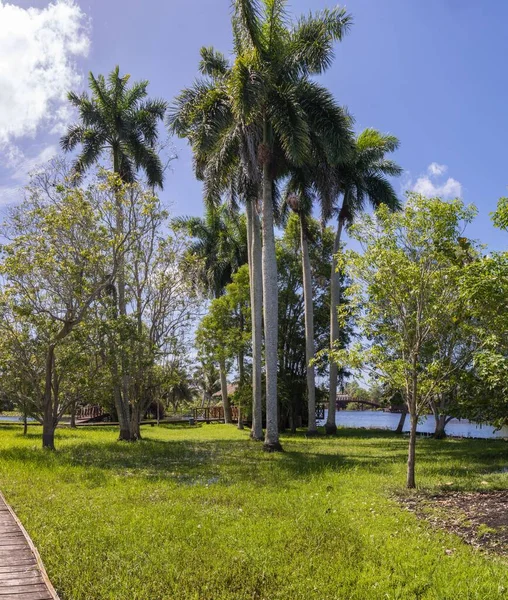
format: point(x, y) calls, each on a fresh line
point(360, 181)
point(121, 122)
point(225, 160)
point(271, 87)
point(219, 240)
point(258, 112)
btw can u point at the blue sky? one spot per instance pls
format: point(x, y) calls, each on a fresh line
point(433, 73)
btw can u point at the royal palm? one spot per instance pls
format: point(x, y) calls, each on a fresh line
point(121, 123)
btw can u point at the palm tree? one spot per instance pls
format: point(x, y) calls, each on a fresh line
point(361, 180)
point(122, 123)
point(256, 114)
point(119, 121)
point(270, 87)
point(219, 240)
point(225, 160)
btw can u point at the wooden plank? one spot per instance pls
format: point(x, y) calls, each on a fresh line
point(29, 596)
point(8, 570)
point(22, 573)
point(22, 589)
point(20, 581)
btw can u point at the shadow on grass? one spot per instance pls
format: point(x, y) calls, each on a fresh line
point(193, 460)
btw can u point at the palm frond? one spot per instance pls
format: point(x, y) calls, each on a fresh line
point(213, 63)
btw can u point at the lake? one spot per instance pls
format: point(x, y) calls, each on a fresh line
point(372, 419)
point(11, 419)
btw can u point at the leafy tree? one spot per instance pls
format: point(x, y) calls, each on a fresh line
point(224, 148)
point(56, 266)
point(405, 283)
point(219, 241)
point(121, 122)
point(224, 332)
point(271, 87)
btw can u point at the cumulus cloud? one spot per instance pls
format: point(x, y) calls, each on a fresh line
point(38, 49)
point(432, 185)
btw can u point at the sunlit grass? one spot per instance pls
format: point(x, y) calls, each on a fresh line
point(203, 514)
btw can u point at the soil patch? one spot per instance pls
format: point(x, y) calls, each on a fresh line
point(480, 518)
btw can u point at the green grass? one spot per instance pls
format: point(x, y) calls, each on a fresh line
point(202, 514)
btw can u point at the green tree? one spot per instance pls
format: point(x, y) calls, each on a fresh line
point(271, 88)
point(406, 281)
point(119, 121)
point(219, 240)
point(224, 149)
point(224, 332)
point(56, 266)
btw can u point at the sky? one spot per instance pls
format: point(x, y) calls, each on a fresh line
point(433, 73)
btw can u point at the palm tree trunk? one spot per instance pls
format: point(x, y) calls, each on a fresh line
point(241, 372)
point(121, 394)
point(256, 303)
point(224, 392)
point(270, 309)
point(309, 330)
point(331, 425)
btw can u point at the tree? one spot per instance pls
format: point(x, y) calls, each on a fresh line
point(223, 333)
point(225, 159)
point(121, 122)
point(293, 364)
point(353, 183)
point(407, 281)
point(272, 100)
point(220, 243)
point(162, 291)
point(56, 266)
point(299, 197)
point(271, 88)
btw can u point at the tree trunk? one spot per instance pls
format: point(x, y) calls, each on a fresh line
point(440, 429)
point(402, 421)
point(121, 381)
point(48, 424)
point(135, 428)
point(256, 302)
point(224, 392)
point(309, 331)
point(331, 424)
point(411, 454)
point(25, 423)
point(73, 415)
point(122, 410)
point(270, 308)
point(241, 369)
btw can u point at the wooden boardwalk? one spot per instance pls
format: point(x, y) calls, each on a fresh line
point(22, 574)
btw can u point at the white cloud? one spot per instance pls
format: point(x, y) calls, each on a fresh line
point(434, 169)
point(20, 167)
point(38, 48)
point(429, 184)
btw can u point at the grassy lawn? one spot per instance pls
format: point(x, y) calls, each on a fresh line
point(202, 514)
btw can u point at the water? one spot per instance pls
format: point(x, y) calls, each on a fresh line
point(11, 419)
point(371, 419)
